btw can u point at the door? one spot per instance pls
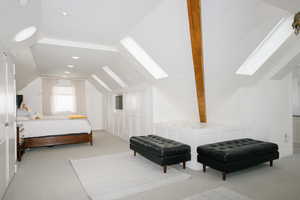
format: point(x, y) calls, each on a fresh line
point(11, 117)
point(7, 122)
point(3, 138)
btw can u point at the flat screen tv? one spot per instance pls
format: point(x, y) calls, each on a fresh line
point(19, 99)
point(119, 102)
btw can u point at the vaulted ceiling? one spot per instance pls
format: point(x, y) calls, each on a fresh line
point(289, 5)
point(91, 30)
point(100, 23)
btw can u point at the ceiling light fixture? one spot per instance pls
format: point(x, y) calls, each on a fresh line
point(64, 13)
point(75, 57)
point(71, 66)
point(67, 72)
point(23, 2)
point(296, 23)
point(25, 34)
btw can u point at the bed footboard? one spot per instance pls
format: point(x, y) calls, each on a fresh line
point(58, 140)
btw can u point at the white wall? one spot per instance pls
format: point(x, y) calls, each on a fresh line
point(94, 102)
point(32, 95)
point(164, 35)
point(136, 118)
point(94, 99)
point(232, 29)
point(260, 106)
point(296, 127)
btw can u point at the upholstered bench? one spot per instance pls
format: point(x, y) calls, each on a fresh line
point(230, 156)
point(161, 150)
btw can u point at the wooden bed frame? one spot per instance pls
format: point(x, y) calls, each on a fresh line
point(48, 141)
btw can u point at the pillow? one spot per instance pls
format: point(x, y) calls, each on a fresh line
point(36, 116)
point(77, 117)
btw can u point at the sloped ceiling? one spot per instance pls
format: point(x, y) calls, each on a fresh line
point(98, 22)
point(26, 70)
point(14, 18)
point(95, 21)
point(293, 6)
point(106, 22)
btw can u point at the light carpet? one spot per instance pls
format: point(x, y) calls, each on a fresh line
point(119, 175)
point(220, 193)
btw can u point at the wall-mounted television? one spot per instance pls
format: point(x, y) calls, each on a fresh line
point(19, 100)
point(119, 102)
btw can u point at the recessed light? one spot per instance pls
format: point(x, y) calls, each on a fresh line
point(67, 72)
point(23, 2)
point(64, 13)
point(75, 57)
point(25, 34)
point(71, 66)
point(64, 76)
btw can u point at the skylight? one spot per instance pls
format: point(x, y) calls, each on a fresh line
point(101, 82)
point(114, 76)
point(279, 34)
point(143, 58)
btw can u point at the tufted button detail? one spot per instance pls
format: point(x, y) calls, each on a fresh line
point(235, 150)
point(160, 146)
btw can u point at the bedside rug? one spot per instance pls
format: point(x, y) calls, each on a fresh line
point(119, 175)
point(220, 193)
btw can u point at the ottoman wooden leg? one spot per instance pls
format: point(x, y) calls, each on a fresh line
point(165, 169)
point(134, 153)
point(184, 165)
point(224, 176)
point(271, 163)
point(204, 168)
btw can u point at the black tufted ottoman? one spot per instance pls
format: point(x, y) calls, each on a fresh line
point(234, 155)
point(161, 150)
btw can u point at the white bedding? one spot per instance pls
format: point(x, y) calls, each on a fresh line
point(49, 126)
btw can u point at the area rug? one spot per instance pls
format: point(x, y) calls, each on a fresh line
point(119, 175)
point(220, 193)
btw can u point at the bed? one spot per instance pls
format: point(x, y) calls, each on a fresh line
point(51, 131)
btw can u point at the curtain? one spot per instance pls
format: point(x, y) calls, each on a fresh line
point(47, 93)
point(48, 86)
point(80, 96)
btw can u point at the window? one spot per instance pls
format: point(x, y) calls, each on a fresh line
point(114, 76)
point(101, 82)
point(64, 100)
point(279, 34)
point(143, 58)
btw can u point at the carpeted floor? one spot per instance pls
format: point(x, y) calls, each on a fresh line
point(220, 193)
point(46, 174)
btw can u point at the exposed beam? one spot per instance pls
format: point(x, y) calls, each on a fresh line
point(194, 10)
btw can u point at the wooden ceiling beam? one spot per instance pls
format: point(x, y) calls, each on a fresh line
point(194, 10)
